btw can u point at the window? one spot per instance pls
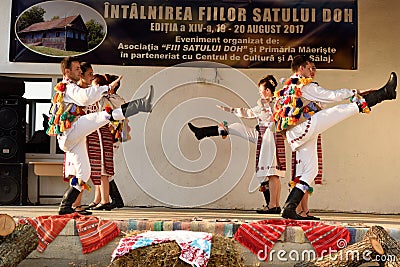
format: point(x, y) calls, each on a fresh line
point(38, 93)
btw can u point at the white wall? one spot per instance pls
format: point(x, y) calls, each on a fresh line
point(360, 155)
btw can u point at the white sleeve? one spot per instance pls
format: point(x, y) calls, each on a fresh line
point(315, 92)
point(247, 113)
point(84, 96)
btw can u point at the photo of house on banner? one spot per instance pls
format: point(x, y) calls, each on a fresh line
point(60, 29)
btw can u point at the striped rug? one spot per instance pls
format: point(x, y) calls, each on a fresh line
point(94, 233)
point(260, 237)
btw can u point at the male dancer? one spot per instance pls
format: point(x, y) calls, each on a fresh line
point(71, 125)
point(301, 119)
point(302, 208)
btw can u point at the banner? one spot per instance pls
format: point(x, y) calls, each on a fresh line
point(241, 34)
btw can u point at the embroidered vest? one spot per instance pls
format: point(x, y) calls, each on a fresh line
point(62, 115)
point(290, 107)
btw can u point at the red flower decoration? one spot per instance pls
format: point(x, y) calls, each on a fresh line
point(108, 109)
point(60, 87)
point(296, 180)
point(297, 92)
point(287, 100)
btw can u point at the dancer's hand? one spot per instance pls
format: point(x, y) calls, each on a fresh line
point(114, 84)
point(227, 109)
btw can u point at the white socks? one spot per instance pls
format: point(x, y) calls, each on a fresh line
point(117, 114)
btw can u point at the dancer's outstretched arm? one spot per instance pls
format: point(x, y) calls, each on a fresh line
point(239, 112)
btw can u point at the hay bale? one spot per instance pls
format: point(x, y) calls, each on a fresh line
point(223, 253)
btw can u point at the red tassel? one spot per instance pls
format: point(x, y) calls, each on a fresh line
point(108, 109)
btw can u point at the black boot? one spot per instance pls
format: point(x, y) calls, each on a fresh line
point(264, 188)
point(135, 106)
point(267, 196)
point(387, 92)
point(293, 200)
point(68, 199)
point(116, 198)
point(202, 132)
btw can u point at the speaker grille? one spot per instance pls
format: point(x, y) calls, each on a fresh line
point(8, 118)
point(13, 184)
point(8, 148)
point(9, 187)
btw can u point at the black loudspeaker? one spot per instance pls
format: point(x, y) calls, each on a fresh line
point(13, 184)
point(12, 129)
point(11, 86)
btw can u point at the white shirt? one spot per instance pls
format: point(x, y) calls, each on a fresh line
point(316, 93)
point(262, 114)
point(84, 96)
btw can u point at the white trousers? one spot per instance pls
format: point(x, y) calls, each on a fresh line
point(73, 141)
point(238, 129)
point(303, 137)
point(267, 155)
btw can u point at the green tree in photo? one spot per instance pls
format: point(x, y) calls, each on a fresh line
point(95, 33)
point(31, 16)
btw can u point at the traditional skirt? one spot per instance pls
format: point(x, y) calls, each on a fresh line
point(100, 154)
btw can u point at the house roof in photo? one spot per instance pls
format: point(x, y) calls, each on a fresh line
point(51, 24)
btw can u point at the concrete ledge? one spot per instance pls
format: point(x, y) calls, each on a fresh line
point(66, 248)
